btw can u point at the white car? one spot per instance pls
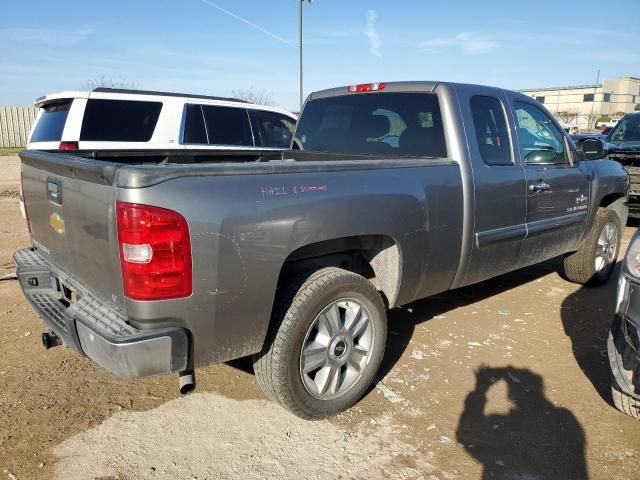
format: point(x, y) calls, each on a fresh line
point(610, 124)
point(114, 119)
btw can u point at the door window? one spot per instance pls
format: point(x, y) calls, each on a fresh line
point(275, 129)
point(541, 142)
point(212, 125)
point(491, 130)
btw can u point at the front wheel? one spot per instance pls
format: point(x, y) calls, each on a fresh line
point(326, 343)
point(596, 259)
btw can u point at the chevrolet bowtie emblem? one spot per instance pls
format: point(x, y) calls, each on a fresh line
point(57, 223)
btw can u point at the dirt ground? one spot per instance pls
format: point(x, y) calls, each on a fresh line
point(507, 379)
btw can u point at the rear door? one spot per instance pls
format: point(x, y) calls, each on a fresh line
point(557, 190)
point(499, 181)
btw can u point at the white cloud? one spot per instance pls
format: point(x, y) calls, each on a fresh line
point(469, 42)
point(374, 39)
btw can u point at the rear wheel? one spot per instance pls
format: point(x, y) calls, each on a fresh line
point(326, 343)
point(596, 259)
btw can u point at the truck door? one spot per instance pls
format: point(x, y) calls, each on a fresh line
point(499, 184)
point(557, 190)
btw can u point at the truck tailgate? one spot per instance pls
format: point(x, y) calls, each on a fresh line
point(70, 206)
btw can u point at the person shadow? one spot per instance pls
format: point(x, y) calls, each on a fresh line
point(586, 315)
point(534, 440)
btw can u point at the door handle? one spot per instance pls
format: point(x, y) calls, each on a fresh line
point(539, 187)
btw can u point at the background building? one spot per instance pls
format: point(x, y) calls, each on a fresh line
point(584, 105)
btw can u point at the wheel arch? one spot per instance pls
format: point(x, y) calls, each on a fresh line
point(618, 203)
point(378, 258)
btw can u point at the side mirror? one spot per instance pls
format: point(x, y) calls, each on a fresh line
point(591, 148)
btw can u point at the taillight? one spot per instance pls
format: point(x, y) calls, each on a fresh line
point(68, 146)
point(23, 205)
point(155, 252)
point(367, 87)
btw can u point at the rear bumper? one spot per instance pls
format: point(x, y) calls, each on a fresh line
point(92, 328)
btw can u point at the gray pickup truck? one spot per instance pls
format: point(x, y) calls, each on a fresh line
point(158, 262)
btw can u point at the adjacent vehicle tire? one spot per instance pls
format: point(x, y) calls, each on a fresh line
point(325, 345)
point(625, 403)
point(596, 259)
point(624, 364)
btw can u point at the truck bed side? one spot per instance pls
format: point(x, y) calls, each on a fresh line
point(250, 223)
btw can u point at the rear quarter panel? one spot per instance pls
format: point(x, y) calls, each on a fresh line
point(243, 228)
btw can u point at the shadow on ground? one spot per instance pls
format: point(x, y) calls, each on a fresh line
point(586, 318)
point(533, 440)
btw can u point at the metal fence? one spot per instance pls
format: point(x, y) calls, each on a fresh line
point(15, 124)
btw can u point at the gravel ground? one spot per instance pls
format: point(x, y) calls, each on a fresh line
point(9, 173)
point(507, 379)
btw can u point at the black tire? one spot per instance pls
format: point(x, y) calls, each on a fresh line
point(625, 403)
point(580, 266)
point(624, 363)
point(277, 367)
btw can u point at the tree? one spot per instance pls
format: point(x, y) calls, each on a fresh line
point(104, 82)
point(261, 97)
point(567, 117)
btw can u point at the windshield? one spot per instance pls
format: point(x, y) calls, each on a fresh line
point(386, 124)
point(626, 131)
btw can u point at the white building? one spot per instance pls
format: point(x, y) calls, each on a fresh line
point(584, 105)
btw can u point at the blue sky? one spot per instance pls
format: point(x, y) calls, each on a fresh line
point(217, 46)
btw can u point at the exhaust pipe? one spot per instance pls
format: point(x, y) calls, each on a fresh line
point(50, 340)
point(187, 381)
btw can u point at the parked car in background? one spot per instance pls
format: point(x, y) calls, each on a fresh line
point(397, 191)
point(610, 124)
point(116, 119)
point(624, 338)
point(624, 146)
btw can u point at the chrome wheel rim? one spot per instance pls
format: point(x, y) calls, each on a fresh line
point(336, 349)
point(606, 247)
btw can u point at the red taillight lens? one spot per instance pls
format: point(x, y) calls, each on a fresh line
point(68, 146)
point(367, 87)
point(155, 252)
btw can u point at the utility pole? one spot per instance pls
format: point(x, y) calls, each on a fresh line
point(591, 118)
point(300, 45)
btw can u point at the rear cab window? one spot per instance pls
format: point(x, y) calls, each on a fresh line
point(389, 124)
point(119, 120)
point(51, 122)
